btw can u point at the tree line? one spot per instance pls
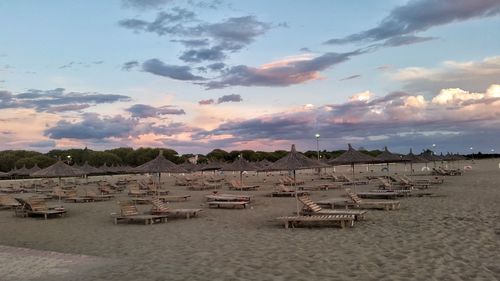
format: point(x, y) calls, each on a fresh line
point(126, 156)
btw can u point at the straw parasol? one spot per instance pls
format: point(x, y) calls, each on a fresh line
point(294, 161)
point(33, 169)
point(58, 170)
point(4, 175)
point(412, 158)
point(212, 166)
point(387, 157)
point(23, 171)
point(90, 170)
point(158, 165)
point(189, 166)
point(352, 156)
point(240, 165)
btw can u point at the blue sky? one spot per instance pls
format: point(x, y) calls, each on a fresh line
point(198, 75)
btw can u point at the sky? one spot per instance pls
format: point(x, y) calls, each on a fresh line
point(196, 75)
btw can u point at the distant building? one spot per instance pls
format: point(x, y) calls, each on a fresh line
point(193, 160)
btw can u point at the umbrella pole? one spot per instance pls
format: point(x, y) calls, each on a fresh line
point(159, 184)
point(241, 180)
point(353, 177)
point(296, 196)
point(60, 186)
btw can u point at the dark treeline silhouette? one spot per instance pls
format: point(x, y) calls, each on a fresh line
point(10, 159)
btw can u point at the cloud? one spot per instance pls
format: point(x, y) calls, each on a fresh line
point(74, 64)
point(145, 111)
point(56, 100)
point(210, 54)
point(157, 67)
point(368, 119)
point(93, 126)
point(130, 65)
point(206, 102)
point(405, 40)
point(421, 15)
point(229, 98)
point(218, 66)
point(42, 144)
point(145, 4)
point(205, 41)
point(473, 75)
point(282, 73)
point(350, 77)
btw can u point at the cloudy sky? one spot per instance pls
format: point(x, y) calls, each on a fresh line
point(196, 75)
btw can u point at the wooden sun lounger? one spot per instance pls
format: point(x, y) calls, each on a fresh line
point(332, 203)
point(98, 197)
point(174, 198)
point(317, 187)
point(159, 208)
point(317, 220)
point(129, 213)
point(228, 197)
point(311, 208)
point(72, 196)
point(228, 204)
point(379, 194)
point(7, 202)
point(375, 204)
point(236, 185)
point(205, 186)
point(38, 207)
point(284, 191)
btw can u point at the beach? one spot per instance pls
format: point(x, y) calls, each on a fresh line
point(452, 235)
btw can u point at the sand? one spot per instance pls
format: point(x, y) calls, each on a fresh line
point(452, 236)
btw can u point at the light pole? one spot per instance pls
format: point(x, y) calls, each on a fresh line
point(317, 144)
point(472, 153)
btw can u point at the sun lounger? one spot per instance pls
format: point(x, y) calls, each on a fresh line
point(283, 191)
point(7, 202)
point(311, 208)
point(38, 207)
point(173, 198)
point(379, 194)
point(159, 208)
point(129, 213)
point(72, 196)
point(228, 204)
point(135, 191)
point(205, 186)
point(236, 185)
point(97, 197)
point(317, 220)
point(228, 197)
point(375, 204)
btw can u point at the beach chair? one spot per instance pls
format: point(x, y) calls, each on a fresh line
point(159, 208)
point(228, 204)
point(374, 204)
point(204, 185)
point(129, 213)
point(72, 196)
point(97, 197)
point(38, 207)
point(349, 181)
point(283, 191)
point(311, 208)
point(228, 197)
point(8, 202)
point(173, 198)
point(236, 185)
point(317, 220)
point(135, 191)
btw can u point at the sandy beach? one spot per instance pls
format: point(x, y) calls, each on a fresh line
point(453, 235)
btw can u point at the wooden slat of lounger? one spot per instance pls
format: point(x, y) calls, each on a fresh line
point(227, 204)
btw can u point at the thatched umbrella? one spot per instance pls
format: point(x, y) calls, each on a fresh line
point(240, 165)
point(189, 166)
point(294, 161)
point(58, 170)
point(158, 165)
point(212, 166)
point(351, 157)
point(430, 157)
point(33, 169)
point(4, 175)
point(412, 158)
point(90, 170)
point(23, 171)
point(387, 157)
